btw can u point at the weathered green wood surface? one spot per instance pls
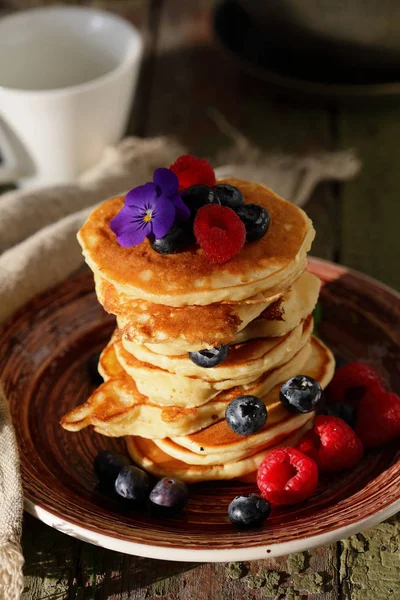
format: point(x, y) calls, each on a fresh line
point(369, 239)
point(184, 76)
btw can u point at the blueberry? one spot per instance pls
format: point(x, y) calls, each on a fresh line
point(301, 394)
point(248, 511)
point(209, 358)
point(197, 196)
point(229, 195)
point(169, 495)
point(132, 484)
point(92, 366)
point(107, 466)
point(246, 415)
point(178, 238)
point(256, 220)
point(342, 410)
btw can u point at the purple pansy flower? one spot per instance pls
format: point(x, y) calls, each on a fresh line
point(168, 184)
point(150, 210)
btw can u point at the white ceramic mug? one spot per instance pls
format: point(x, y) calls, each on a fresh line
point(67, 76)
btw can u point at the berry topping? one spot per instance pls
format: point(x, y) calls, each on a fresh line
point(352, 381)
point(149, 210)
point(343, 411)
point(220, 232)
point(133, 484)
point(228, 195)
point(248, 511)
point(378, 418)
point(197, 196)
point(332, 444)
point(93, 364)
point(301, 394)
point(256, 220)
point(246, 415)
point(191, 170)
point(209, 358)
point(287, 476)
point(107, 466)
point(178, 238)
point(169, 495)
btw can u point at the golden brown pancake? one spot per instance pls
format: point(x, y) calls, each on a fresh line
point(167, 389)
point(216, 452)
point(191, 327)
point(219, 438)
point(109, 367)
point(175, 330)
point(286, 313)
point(151, 458)
point(250, 359)
point(188, 277)
point(117, 408)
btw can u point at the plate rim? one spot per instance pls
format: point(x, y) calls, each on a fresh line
point(184, 554)
point(341, 269)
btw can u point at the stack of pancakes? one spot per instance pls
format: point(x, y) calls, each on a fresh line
point(171, 410)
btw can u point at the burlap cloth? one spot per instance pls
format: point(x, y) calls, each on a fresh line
point(39, 249)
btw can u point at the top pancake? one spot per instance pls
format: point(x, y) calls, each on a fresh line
point(187, 277)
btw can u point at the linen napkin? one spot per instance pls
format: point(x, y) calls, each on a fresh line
point(11, 561)
point(39, 228)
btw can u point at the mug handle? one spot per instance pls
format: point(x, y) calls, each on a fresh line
point(9, 169)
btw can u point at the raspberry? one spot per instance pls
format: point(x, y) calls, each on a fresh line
point(220, 232)
point(352, 381)
point(191, 170)
point(332, 444)
point(287, 476)
point(378, 418)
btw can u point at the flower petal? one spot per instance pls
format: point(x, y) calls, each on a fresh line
point(182, 211)
point(142, 195)
point(134, 237)
point(129, 226)
point(167, 181)
point(163, 216)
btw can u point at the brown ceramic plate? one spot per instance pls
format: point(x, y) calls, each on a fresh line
point(44, 351)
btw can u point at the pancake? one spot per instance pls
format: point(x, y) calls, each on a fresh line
point(117, 408)
point(277, 319)
point(170, 389)
point(284, 315)
point(218, 442)
point(147, 455)
point(250, 359)
point(187, 277)
point(278, 431)
point(109, 367)
point(188, 327)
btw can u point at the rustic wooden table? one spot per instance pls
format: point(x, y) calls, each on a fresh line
point(184, 75)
